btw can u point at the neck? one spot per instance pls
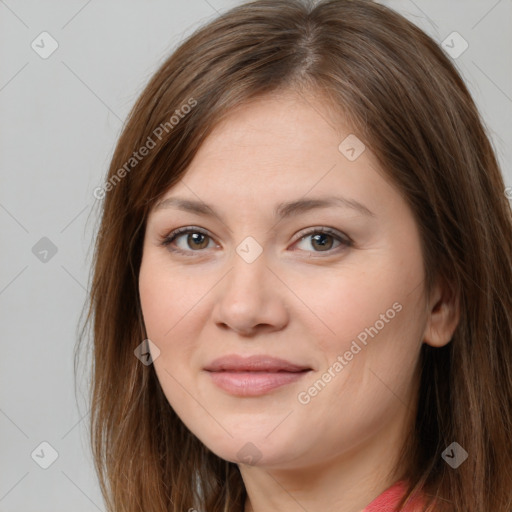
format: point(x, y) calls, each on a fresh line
point(346, 482)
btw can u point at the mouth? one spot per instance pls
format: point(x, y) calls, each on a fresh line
point(255, 375)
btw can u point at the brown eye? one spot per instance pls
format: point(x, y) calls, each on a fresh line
point(323, 240)
point(194, 241)
point(197, 240)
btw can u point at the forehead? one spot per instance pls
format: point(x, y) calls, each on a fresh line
point(279, 148)
point(277, 127)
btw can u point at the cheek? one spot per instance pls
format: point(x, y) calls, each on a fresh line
point(164, 307)
point(369, 368)
point(165, 297)
point(155, 302)
point(173, 308)
point(375, 319)
point(346, 306)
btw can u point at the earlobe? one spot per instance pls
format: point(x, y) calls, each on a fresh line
point(443, 316)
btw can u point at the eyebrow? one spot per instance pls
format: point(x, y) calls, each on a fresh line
point(281, 211)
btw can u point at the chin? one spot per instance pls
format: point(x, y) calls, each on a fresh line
point(251, 450)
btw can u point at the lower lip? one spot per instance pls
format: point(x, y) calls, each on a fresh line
point(253, 383)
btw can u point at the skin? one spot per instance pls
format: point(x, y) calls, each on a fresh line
point(295, 301)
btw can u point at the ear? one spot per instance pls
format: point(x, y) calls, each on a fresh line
point(443, 312)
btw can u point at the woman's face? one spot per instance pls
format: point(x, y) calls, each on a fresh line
point(259, 277)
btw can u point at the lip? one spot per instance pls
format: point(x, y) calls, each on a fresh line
point(256, 363)
point(254, 375)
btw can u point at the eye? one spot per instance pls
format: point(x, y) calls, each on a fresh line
point(195, 240)
point(323, 239)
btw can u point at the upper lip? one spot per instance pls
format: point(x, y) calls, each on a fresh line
point(256, 363)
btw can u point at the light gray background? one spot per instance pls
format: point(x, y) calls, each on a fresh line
point(60, 118)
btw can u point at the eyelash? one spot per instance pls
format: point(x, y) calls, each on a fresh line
point(167, 240)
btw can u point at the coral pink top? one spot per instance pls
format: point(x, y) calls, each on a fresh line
point(388, 500)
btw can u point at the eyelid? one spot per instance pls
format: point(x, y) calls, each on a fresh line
point(323, 229)
point(169, 238)
point(345, 242)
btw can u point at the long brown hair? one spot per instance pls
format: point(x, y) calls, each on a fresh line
point(409, 105)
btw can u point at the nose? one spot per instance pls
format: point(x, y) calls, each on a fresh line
point(250, 299)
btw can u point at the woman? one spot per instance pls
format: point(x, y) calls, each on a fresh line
point(302, 289)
